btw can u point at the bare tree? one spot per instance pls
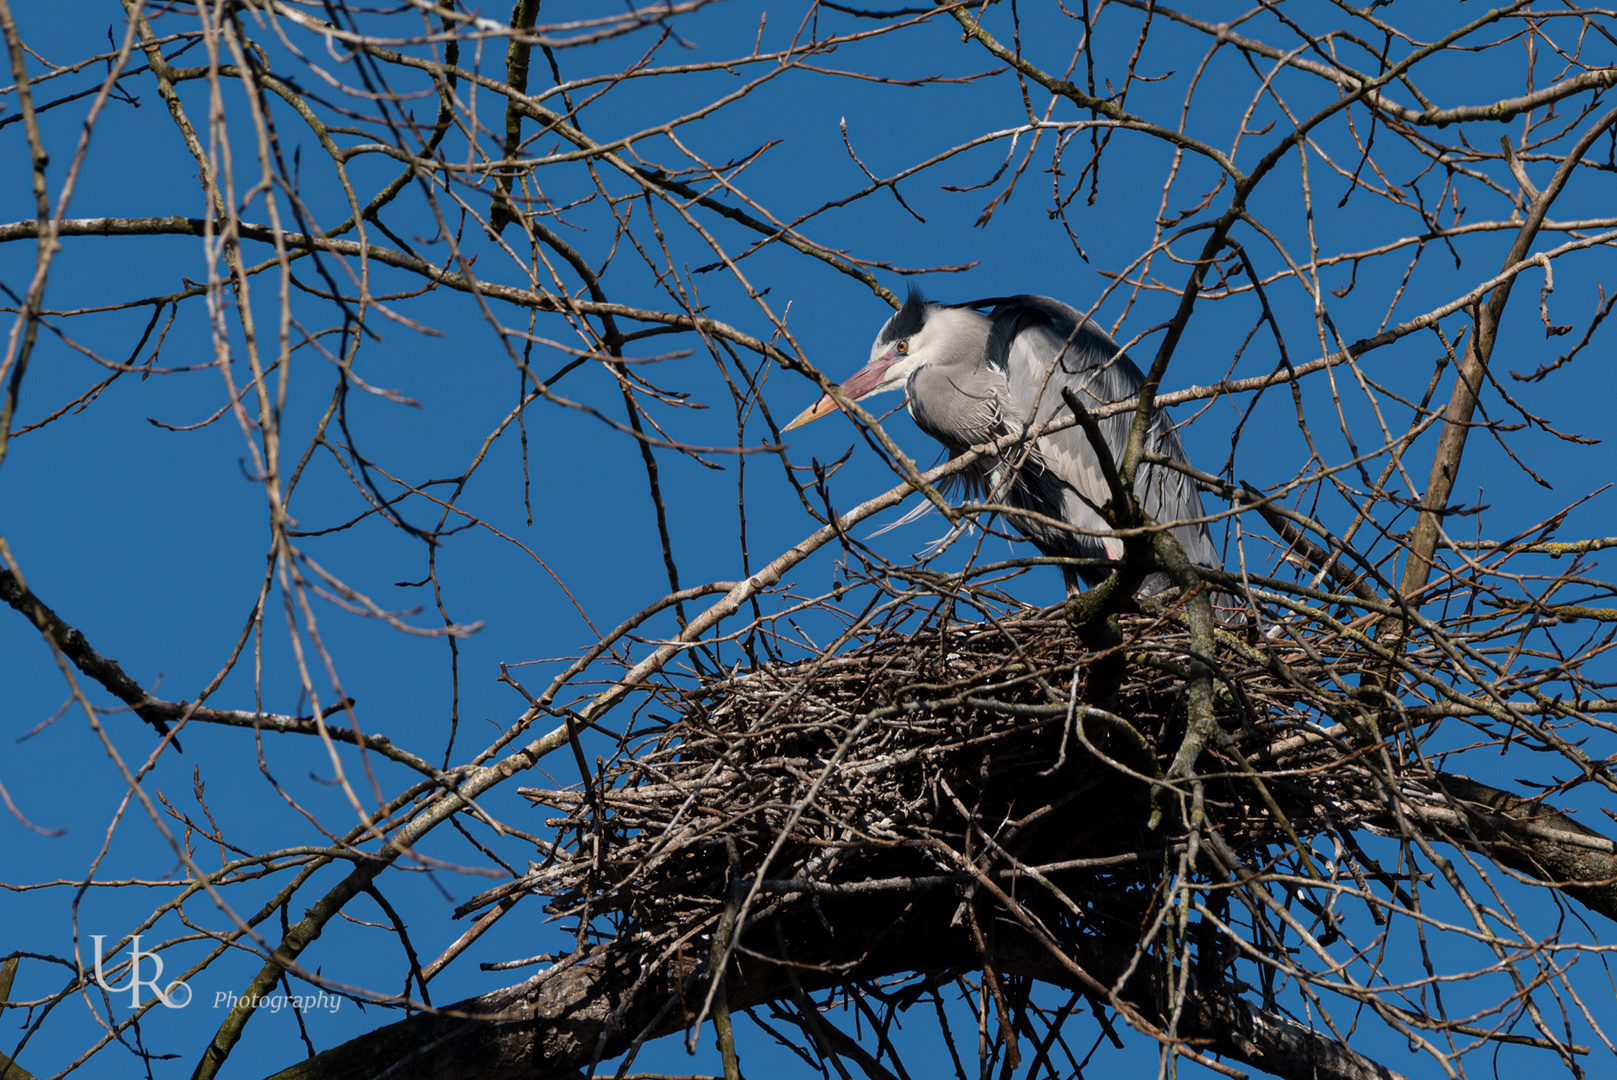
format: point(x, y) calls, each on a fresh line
point(455, 292)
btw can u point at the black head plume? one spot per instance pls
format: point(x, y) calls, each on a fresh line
point(907, 321)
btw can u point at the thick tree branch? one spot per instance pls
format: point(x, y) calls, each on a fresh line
point(555, 1024)
point(84, 657)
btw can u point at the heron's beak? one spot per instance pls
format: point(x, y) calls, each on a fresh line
point(861, 383)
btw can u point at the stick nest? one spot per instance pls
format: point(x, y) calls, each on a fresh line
point(893, 766)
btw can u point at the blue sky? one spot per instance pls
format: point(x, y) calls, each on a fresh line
point(152, 541)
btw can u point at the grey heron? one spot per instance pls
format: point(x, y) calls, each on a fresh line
point(972, 378)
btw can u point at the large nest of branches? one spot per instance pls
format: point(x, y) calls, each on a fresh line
point(881, 768)
point(1001, 803)
point(942, 799)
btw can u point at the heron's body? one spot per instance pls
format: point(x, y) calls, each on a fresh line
point(971, 379)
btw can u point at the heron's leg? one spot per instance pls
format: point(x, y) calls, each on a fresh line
point(1086, 614)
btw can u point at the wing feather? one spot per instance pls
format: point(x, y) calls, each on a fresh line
point(1050, 347)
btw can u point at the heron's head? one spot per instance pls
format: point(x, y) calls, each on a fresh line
point(914, 336)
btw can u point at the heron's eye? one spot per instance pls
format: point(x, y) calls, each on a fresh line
point(902, 347)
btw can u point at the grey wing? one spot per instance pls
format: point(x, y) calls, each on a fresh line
point(1169, 495)
point(1047, 349)
point(1042, 355)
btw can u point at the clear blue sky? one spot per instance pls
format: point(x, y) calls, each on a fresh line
point(152, 541)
